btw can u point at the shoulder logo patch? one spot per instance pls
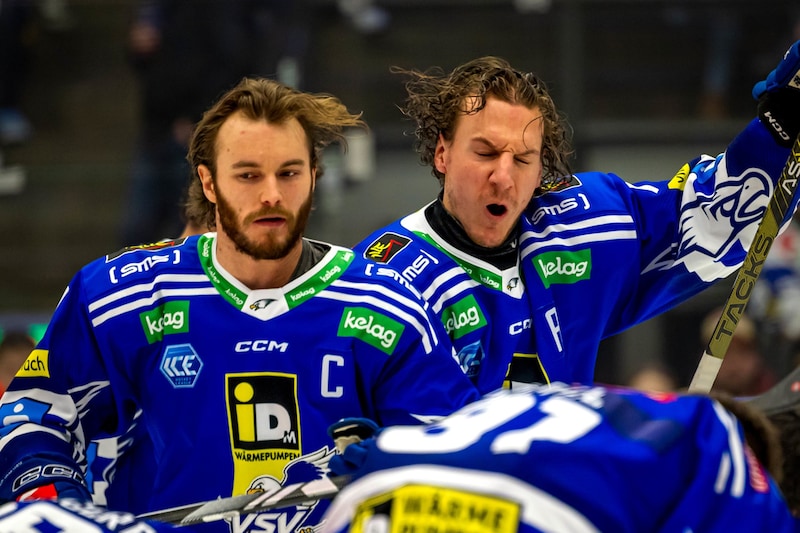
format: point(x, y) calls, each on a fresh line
point(152, 247)
point(385, 247)
point(559, 184)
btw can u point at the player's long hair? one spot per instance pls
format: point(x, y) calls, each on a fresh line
point(322, 116)
point(435, 101)
point(775, 441)
point(788, 425)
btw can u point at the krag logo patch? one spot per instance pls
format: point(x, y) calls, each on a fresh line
point(36, 365)
point(464, 316)
point(563, 267)
point(385, 247)
point(172, 317)
point(373, 328)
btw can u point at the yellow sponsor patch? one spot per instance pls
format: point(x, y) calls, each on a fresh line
point(417, 509)
point(35, 366)
point(679, 180)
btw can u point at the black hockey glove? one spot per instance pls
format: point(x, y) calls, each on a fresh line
point(778, 98)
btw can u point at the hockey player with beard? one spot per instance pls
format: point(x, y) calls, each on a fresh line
point(530, 266)
point(211, 366)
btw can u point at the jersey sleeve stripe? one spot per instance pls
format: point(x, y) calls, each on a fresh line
point(155, 297)
point(580, 239)
point(147, 287)
point(737, 451)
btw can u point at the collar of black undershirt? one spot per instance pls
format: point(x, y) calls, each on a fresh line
point(451, 230)
point(313, 252)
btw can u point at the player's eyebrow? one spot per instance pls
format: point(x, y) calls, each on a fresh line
point(489, 144)
point(252, 164)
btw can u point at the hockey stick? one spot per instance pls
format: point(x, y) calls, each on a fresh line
point(295, 494)
point(778, 206)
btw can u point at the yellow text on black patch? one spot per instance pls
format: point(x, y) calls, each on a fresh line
point(426, 509)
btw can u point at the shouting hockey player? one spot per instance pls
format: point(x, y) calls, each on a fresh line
point(530, 266)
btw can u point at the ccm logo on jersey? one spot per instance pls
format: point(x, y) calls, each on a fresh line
point(385, 247)
point(48, 473)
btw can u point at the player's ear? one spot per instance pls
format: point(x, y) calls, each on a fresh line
point(208, 183)
point(439, 153)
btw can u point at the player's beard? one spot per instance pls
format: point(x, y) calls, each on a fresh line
point(273, 247)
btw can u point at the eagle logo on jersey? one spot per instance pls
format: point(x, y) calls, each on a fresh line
point(385, 247)
point(309, 467)
point(739, 203)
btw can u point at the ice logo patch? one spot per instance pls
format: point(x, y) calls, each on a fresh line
point(470, 358)
point(181, 365)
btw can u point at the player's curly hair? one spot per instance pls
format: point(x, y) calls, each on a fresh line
point(775, 441)
point(322, 116)
point(788, 426)
point(436, 100)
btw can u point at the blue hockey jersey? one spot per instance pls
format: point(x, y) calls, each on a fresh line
point(558, 459)
point(597, 255)
point(208, 389)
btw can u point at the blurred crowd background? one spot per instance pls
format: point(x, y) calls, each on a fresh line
point(97, 100)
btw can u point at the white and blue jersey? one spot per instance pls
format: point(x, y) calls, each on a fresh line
point(597, 255)
point(555, 459)
point(208, 389)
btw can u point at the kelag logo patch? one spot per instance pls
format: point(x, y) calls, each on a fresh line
point(463, 317)
point(373, 328)
point(563, 267)
point(385, 247)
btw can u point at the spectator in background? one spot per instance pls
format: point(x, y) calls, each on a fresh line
point(744, 370)
point(15, 347)
point(775, 302)
point(653, 377)
point(16, 17)
point(186, 53)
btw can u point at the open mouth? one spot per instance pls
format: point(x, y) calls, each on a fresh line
point(496, 209)
point(269, 220)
